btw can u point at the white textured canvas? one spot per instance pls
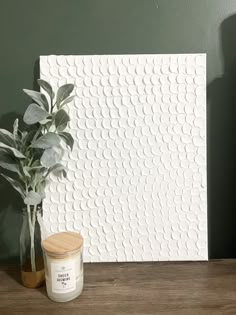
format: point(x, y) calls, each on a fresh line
point(136, 186)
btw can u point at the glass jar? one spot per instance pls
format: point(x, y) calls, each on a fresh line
point(31, 255)
point(63, 259)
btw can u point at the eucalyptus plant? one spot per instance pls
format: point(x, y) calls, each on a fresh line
point(29, 156)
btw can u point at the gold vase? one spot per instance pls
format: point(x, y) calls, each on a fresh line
point(33, 279)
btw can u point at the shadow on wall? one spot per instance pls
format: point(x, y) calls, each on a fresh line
point(221, 149)
point(11, 205)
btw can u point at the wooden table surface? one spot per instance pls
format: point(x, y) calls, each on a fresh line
point(133, 288)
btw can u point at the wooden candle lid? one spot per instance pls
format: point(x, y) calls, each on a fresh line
point(65, 243)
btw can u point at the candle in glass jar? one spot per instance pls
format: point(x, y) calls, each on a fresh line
point(63, 255)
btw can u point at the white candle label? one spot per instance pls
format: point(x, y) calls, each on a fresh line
point(63, 277)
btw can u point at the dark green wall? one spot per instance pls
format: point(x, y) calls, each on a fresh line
point(30, 28)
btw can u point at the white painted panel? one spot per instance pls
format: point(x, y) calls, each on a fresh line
point(136, 186)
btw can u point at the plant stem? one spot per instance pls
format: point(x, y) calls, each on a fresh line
point(36, 134)
point(53, 107)
point(32, 240)
point(31, 220)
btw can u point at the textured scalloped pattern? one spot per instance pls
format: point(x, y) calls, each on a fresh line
point(136, 186)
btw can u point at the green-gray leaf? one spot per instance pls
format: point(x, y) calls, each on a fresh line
point(7, 138)
point(67, 138)
point(58, 170)
point(24, 135)
point(8, 162)
point(27, 137)
point(45, 121)
point(34, 114)
point(15, 128)
point(47, 87)
point(14, 151)
point(41, 189)
point(61, 127)
point(63, 92)
point(51, 156)
point(36, 163)
point(26, 170)
point(49, 140)
point(61, 119)
point(16, 185)
point(38, 97)
point(32, 198)
point(68, 100)
point(37, 178)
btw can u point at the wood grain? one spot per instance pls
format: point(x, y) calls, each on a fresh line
point(63, 243)
point(133, 288)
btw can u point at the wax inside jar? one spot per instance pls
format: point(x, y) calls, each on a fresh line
point(64, 277)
